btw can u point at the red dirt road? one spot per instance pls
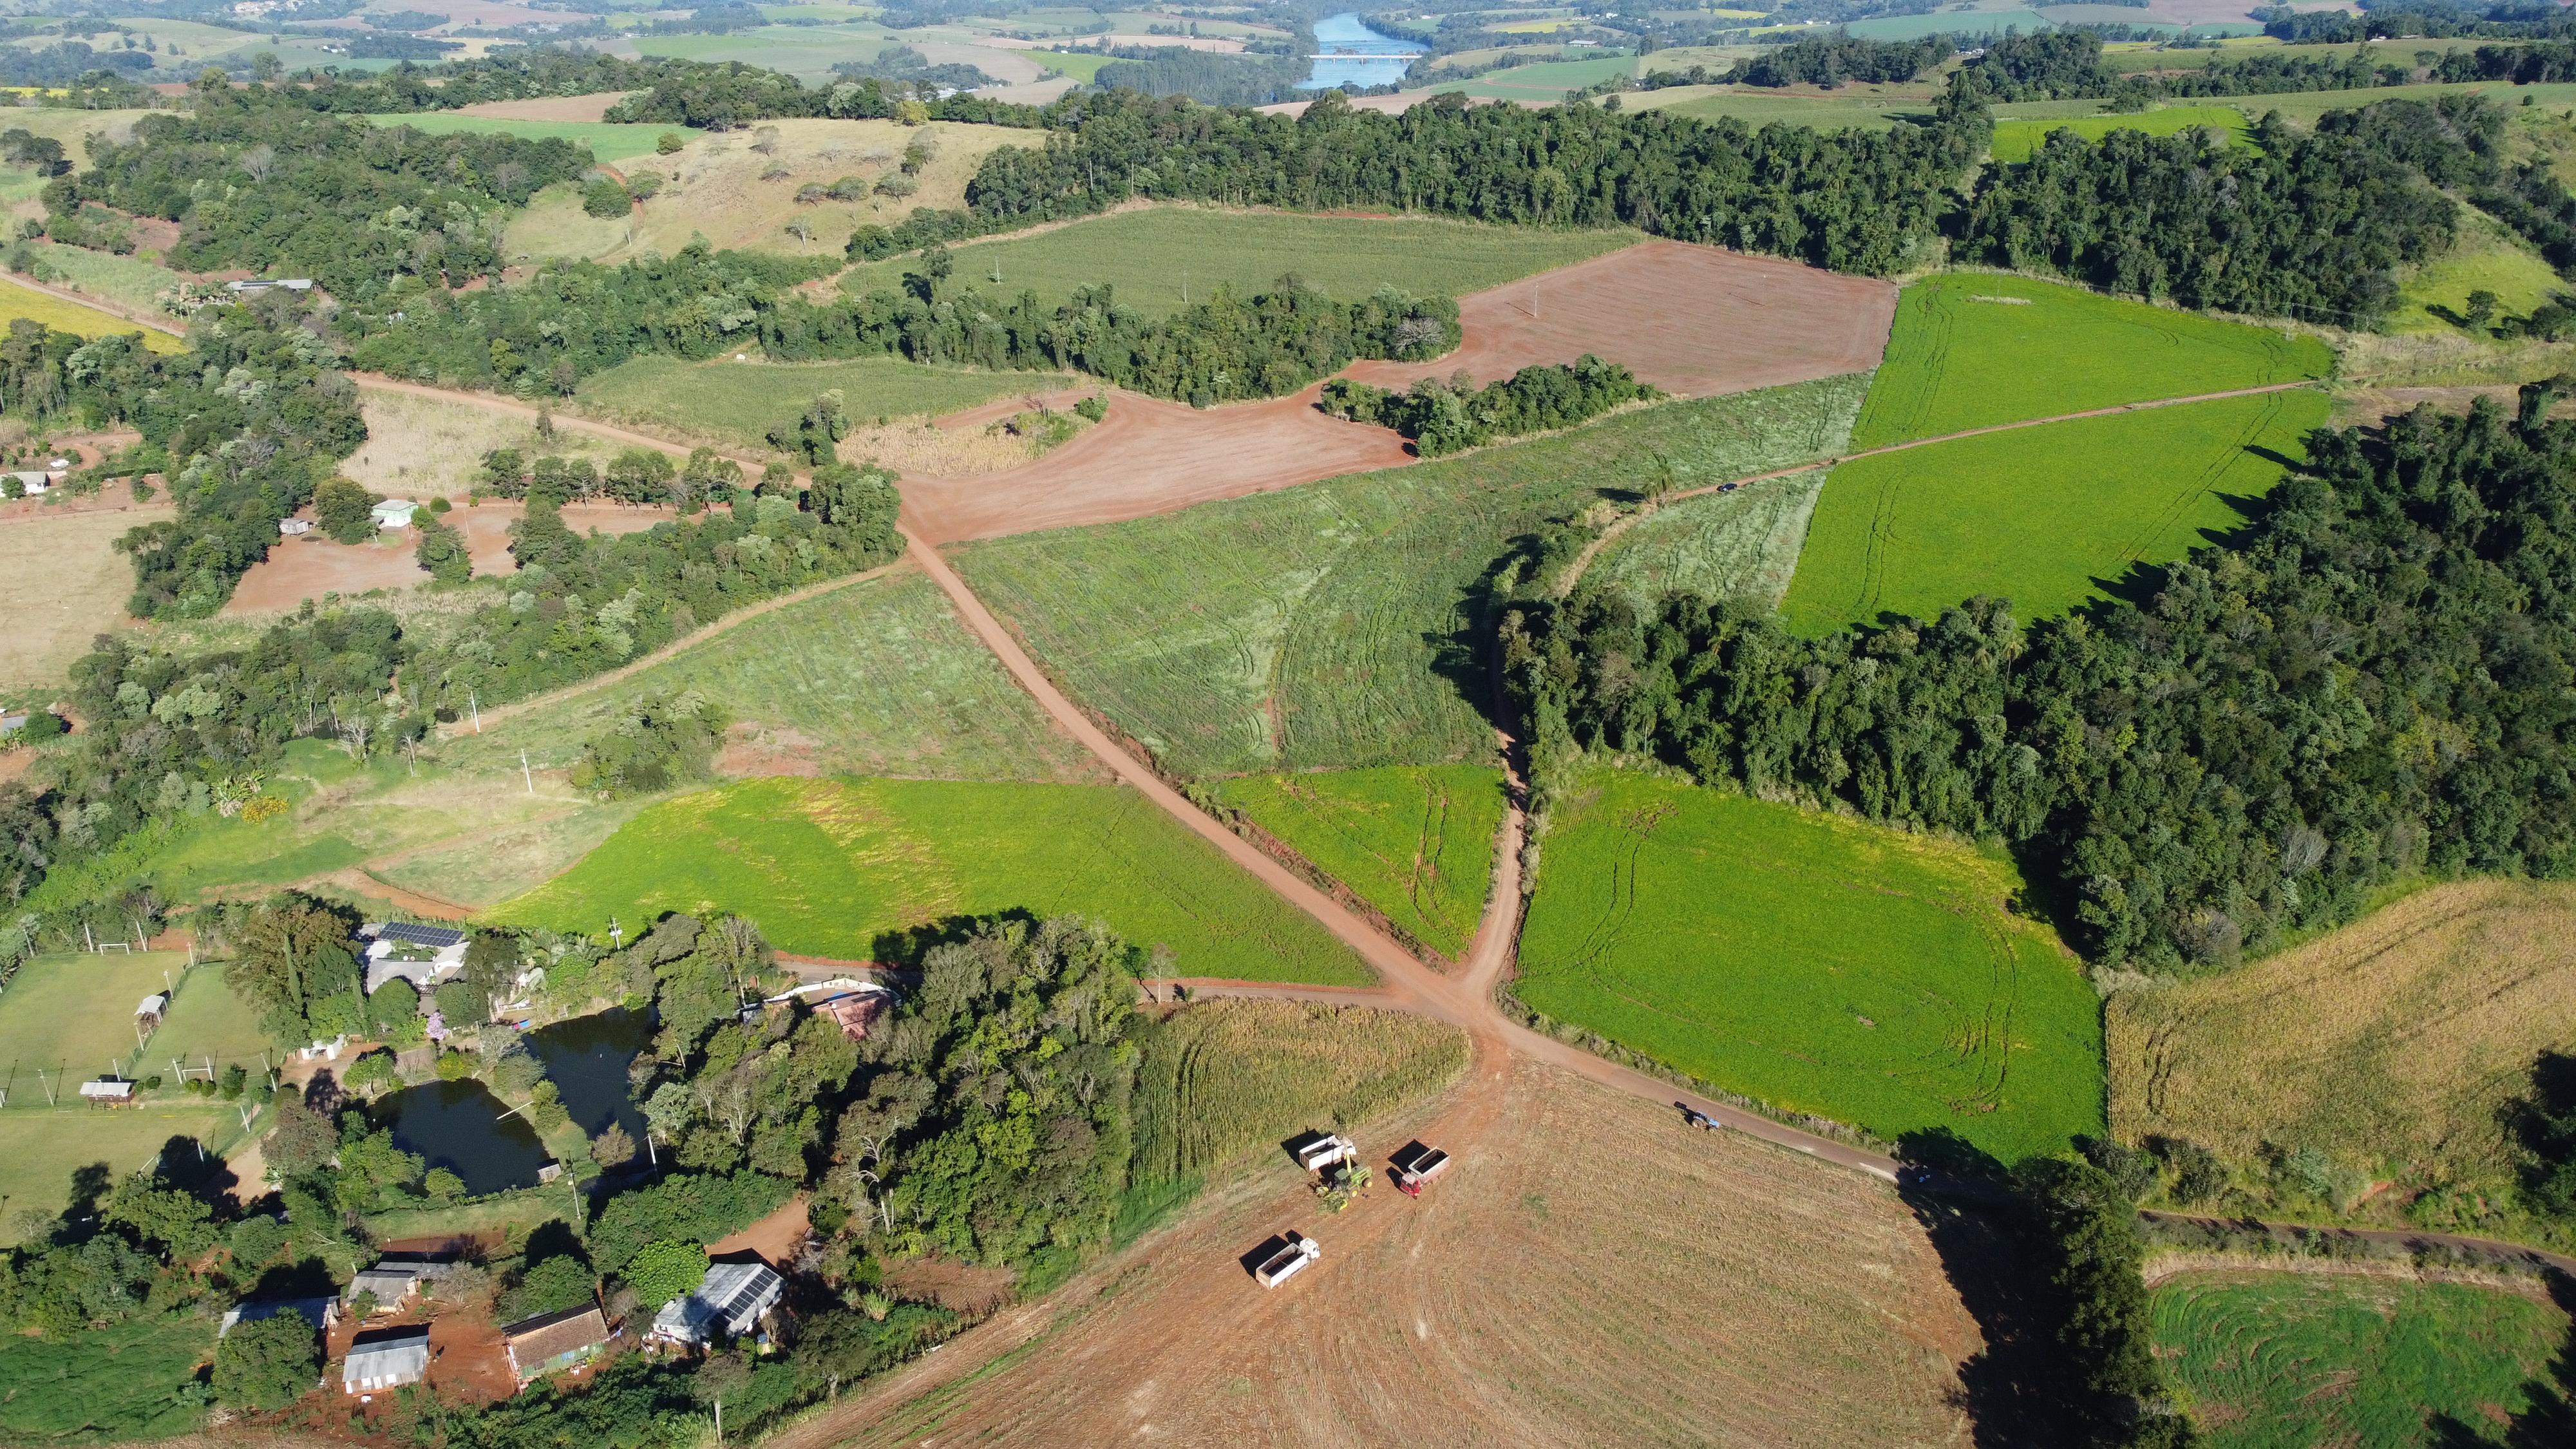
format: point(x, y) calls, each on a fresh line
point(1692, 320)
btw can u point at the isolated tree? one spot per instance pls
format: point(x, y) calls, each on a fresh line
point(2481, 309)
point(267, 1363)
point(342, 507)
point(613, 1148)
point(441, 550)
point(605, 198)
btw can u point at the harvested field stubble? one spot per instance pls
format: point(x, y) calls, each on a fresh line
point(1339, 624)
point(1224, 1079)
point(1591, 1272)
point(2396, 1040)
point(1811, 962)
point(62, 583)
point(1970, 350)
point(1414, 841)
point(2293, 1360)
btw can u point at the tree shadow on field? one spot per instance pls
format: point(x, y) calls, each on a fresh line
point(2548, 1420)
point(1464, 657)
point(902, 949)
point(2009, 1390)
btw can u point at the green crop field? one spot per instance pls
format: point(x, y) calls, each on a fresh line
point(1726, 545)
point(1812, 962)
point(2016, 140)
point(74, 1013)
point(2042, 516)
point(133, 1381)
point(1340, 624)
point(1416, 842)
point(1148, 257)
point(1080, 67)
point(2277, 1360)
point(608, 141)
point(740, 402)
point(2303, 107)
point(1866, 108)
point(1971, 351)
point(878, 678)
point(1546, 81)
point(807, 52)
point(40, 1149)
point(827, 866)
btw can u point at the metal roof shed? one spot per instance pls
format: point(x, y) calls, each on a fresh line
point(385, 1359)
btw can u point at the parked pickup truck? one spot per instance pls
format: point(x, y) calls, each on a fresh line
point(1288, 1262)
point(1418, 1165)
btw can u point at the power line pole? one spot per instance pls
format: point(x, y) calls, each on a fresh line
point(524, 773)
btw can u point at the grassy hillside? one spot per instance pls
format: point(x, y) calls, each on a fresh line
point(1151, 257)
point(2391, 1045)
point(1970, 351)
point(2015, 140)
point(1339, 624)
point(2292, 1360)
point(2043, 516)
point(1415, 842)
point(1813, 963)
point(829, 867)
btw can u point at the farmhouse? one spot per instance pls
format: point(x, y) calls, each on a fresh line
point(421, 955)
point(320, 1312)
point(386, 1358)
point(394, 513)
point(551, 1342)
point(725, 1306)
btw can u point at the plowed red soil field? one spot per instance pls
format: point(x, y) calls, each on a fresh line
point(1590, 1272)
point(1694, 321)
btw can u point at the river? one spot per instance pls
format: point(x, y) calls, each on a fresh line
point(1350, 54)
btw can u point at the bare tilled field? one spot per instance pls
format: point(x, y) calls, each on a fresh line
point(1692, 320)
point(1591, 1272)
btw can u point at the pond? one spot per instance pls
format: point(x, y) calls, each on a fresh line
point(460, 1126)
point(587, 1057)
point(1351, 54)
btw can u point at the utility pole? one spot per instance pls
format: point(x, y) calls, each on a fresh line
point(524, 772)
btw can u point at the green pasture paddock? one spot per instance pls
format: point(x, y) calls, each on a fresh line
point(1971, 350)
point(1812, 962)
point(1546, 81)
point(75, 1013)
point(2276, 1360)
point(2044, 516)
point(807, 52)
point(828, 867)
point(1741, 545)
point(1343, 624)
point(608, 141)
point(207, 1020)
point(1417, 842)
point(2485, 257)
point(739, 402)
point(1856, 107)
point(2015, 140)
point(1150, 258)
point(42, 1147)
point(129, 1381)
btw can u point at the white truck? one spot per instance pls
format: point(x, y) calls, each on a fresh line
point(1326, 1152)
point(1288, 1262)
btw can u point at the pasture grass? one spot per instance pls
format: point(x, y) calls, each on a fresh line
point(2277, 1360)
point(1812, 962)
point(41, 1148)
point(2047, 517)
point(877, 678)
point(1724, 545)
point(1548, 80)
point(608, 141)
point(207, 1018)
point(1342, 624)
point(2015, 140)
point(74, 1012)
point(2396, 1043)
point(2485, 257)
point(1417, 842)
point(2304, 107)
point(62, 584)
point(129, 1381)
point(1949, 22)
point(17, 301)
point(130, 282)
point(740, 402)
point(837, 868)
point(1971, 350)
point(1223, 1080)
point(807, 52)
point(1859, 106)
point(1149, 257)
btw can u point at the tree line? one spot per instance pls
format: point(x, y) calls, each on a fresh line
point(2373, 684)
point(1831, 60)
point(1446, 416)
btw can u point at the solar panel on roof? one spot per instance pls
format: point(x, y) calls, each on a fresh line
point(437, 937)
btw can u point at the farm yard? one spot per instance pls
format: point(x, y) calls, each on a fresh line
point(2394, 1045)
point(1156, 259)
point(841, 868)
point(1815, 964)
point(2276, 1360)
point(1335, 624)
point(2048, 516)
point(1971, 350)
point(1414, 842)
point(1662, 1287)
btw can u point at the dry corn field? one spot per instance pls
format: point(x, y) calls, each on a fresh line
point(2395, 1039)
point(1591, 1272)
